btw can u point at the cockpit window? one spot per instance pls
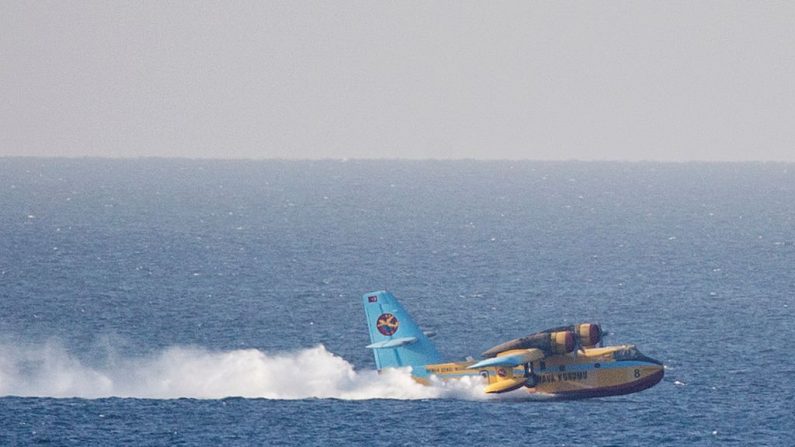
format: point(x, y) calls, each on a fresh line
point(629, 353)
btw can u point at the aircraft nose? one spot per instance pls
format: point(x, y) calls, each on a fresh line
point(659, 369)
point(651, 360)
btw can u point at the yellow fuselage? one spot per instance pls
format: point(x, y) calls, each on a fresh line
point(588, 372)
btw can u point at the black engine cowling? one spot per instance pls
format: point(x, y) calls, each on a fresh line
point(559, 342)
point(588, 334)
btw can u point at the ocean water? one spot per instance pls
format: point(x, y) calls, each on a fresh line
point(187, 302)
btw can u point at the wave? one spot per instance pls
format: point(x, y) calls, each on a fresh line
point(49, 370)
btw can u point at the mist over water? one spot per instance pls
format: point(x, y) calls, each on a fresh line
point(176, 372)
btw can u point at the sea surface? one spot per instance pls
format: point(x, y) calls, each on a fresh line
point(207, 302)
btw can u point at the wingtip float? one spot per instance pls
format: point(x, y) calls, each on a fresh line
point(567, 362)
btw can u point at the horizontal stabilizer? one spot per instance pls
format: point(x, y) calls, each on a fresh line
point(393, 343)
point(510, 359)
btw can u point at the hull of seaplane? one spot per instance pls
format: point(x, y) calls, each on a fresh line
point(589, 373)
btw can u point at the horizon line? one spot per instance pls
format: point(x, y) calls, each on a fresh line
point(393, 159)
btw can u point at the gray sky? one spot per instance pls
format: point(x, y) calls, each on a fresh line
point(635, 80)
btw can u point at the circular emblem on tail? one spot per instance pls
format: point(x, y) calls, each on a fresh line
point(387, 324)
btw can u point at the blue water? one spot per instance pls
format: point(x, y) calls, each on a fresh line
point(157, 280)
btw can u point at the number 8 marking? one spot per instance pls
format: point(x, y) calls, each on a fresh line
point(637, 373)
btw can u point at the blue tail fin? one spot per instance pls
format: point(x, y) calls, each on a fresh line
point(395, 338)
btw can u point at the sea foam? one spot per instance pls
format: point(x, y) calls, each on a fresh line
point(49, 370)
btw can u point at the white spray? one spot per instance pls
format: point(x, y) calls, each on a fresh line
point(50, 371)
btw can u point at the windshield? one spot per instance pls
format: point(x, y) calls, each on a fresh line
point(631, 353)
point(628, 353)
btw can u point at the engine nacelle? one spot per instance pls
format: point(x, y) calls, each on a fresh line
point(588, 334)
point(559, 342)
point(562, 342)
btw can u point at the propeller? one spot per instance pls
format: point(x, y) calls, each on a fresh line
point(577, 344)
point(602, 338)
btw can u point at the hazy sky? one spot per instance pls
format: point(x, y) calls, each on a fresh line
point(635, 80)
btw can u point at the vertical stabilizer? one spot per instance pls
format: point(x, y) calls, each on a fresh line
point(395, 338)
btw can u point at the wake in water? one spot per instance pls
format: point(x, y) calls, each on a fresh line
point(50, 371)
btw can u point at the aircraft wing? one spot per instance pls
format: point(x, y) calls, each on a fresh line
point(510, 359)
point(505, 362)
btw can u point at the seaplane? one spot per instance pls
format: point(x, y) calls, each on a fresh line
point(562, 363)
